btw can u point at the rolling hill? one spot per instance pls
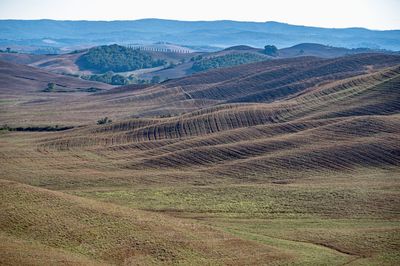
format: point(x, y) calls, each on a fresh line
point(291, 161)
point(324, 51)
point(266, 81)
point(69, 63)
point(265, 137)
point(162, 64)
point(20, 79)
point(107, 233)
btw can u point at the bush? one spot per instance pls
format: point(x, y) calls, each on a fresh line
point(104, 120)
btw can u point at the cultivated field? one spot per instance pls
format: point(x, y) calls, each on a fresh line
point(291, 162)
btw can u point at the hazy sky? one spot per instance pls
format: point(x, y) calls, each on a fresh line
point(373, 14)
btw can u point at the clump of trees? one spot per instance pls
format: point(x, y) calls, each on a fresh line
point(117, 58)
point(271, 50)
point(109, 78)
point(47, 51)
point(8, 50)
point(104, 121)
point(36, 128)
point(228, 60)
point(196, 58)
point(117, 79)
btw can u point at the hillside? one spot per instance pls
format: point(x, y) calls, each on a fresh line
point(242, 54)
point(289, 161)
point(266, 81)
point(324, 51)
point(107, 233)
point(218, 138)
point(20, 79)
point(128, 66)
point(21, 58)
point(273, 80)
point(96, 61)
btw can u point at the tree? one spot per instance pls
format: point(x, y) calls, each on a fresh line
point(50, 87)
point(271, 50)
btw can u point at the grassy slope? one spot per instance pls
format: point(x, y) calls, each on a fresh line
point(107, 233)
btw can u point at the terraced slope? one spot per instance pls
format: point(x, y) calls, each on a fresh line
point(259, 82)
point(339, 125)
point(268, 81)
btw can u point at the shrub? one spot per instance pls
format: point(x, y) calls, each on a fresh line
point(104, 120)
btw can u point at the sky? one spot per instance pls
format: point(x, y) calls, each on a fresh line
point(372, 14)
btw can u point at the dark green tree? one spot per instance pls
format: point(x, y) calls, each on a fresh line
point(50, 87)
point(271, 50)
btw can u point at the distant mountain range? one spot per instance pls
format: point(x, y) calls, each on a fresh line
point(221, 34)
